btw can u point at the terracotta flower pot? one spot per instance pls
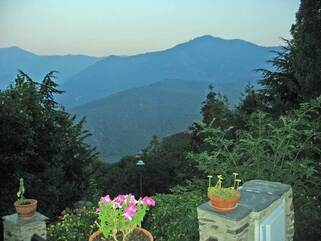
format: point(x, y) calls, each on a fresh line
point(224, 205)
point(26, 211)
point(96, 234)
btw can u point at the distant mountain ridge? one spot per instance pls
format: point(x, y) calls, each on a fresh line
point(36, 66)
point(204, 58)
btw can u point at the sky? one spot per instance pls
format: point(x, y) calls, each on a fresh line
point(127, 27)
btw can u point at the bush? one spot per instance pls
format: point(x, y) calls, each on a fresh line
point(175, 216)
point(73, 226)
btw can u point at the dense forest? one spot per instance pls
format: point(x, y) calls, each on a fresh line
point(274, 133)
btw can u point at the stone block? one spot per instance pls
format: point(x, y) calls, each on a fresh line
point(17, 229)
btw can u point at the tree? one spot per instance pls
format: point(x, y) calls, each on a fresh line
point(215, 113)
point(167, 165)
point(297, 74)
point(307, 44)
point(281, 89)
point(42, 143)
point(251, 101)
point(215, 108)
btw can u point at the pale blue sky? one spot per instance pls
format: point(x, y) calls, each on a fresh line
point(104, 27)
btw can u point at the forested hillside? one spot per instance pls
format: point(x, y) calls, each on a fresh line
point(125, 122)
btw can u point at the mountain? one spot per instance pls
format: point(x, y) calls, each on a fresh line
point(204, 58)
point(125, 122)
point(36, 66)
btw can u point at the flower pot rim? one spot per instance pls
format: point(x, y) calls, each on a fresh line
point(145, 231)
point(31, 200)
point(237, 196)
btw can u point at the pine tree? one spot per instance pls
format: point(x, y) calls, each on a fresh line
point(215, 112)
point(251, 101)
point(297, 74)
point(306, 34)
point(215, 108)
point(281, 89)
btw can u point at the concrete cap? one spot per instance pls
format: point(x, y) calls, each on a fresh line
point(14, 219)
point(275, 188)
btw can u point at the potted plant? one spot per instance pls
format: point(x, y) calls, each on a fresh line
point(25, 208)
point(224, 199)
point(120, 219)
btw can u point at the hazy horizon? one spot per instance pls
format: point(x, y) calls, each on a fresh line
point(160, 50)
point(100, 28)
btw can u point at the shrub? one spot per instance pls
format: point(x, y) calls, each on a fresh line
point(73, 226)
point(175, 216)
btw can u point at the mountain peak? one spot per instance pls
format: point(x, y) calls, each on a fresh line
point(206, 41)
point(204, 38)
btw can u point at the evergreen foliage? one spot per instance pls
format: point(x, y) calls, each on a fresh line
point(297, 74)
point(307, 48)
point(215, 108)
point(251, 102)
point(215, 112)
point(281, 89)
point(42, 143)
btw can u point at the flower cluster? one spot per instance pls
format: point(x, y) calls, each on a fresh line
point(122, 214)
point(126, 202)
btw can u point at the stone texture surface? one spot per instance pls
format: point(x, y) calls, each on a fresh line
point(275, 188)
point(258, 199)
point(16, 229)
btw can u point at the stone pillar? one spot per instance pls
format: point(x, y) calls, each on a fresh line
point(258, 200)
point(16, 229)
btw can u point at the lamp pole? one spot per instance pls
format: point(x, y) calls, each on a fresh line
point(140, 164)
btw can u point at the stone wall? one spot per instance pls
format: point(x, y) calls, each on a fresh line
point(258, 199)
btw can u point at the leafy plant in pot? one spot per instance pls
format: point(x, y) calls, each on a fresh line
point(224, 199)
point(25, 207)
point(120, 219)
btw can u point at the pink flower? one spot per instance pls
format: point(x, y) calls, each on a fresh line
point(117, 205)
point(131, 198)
point(106, 199)
point(128, 216)
point(97, 210)
point(131, 208)
point(148, 201)
point(120, 199)
point(130, 211)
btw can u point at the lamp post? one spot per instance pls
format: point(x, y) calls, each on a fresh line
point(140, 164)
